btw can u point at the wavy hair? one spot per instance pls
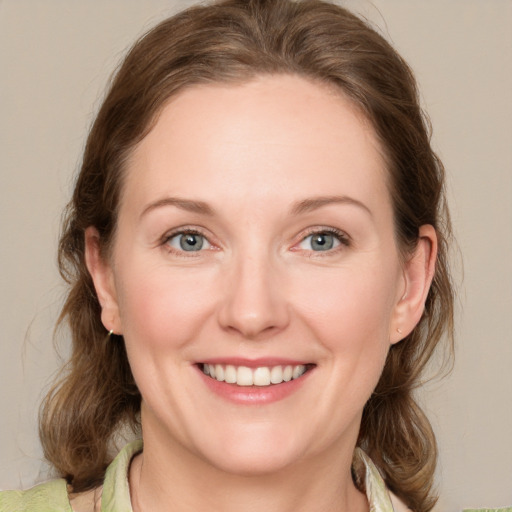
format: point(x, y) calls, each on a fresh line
point(233, 41)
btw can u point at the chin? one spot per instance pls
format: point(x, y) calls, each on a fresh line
point(254, 464)
point(254, 457)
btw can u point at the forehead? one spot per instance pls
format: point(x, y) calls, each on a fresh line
point(275, 137)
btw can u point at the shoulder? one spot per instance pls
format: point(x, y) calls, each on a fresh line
point(89, 501)
point(51, 496)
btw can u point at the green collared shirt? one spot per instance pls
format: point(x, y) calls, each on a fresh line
point(114, 495)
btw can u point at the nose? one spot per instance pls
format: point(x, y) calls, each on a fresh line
point(253, 300)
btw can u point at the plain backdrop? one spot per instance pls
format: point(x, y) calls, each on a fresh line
point(55, 59)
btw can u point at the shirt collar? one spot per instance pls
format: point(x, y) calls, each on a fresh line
point(116, 491)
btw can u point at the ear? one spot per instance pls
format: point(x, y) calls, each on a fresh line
point(418, 273)
point(103, 279)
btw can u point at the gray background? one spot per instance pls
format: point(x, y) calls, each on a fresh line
point(55, 58)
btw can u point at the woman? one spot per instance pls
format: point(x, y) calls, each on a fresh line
point(256, 253)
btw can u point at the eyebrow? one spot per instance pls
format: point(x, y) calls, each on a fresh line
point(304, 206)
point(308, 205)
point(184, 204)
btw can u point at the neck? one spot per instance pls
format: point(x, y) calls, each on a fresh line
point(168, 477)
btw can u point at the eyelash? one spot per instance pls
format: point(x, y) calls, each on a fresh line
point(183, 231)
point(340, 236)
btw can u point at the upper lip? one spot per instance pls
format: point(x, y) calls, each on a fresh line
point(254, 363)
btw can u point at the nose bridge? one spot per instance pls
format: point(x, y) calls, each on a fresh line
point(253, 302)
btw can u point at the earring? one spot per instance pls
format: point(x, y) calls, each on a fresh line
point(110, 333)
point(399, 331)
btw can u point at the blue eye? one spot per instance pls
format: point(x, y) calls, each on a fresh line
point(321, 241)
point(188, 242)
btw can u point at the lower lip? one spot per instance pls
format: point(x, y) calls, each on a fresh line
point(254, 395)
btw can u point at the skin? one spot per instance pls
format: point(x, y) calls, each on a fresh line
point(258, 156)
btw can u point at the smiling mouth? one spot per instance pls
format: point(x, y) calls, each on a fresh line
point(260, 376)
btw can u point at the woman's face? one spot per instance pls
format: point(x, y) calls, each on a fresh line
point(255, 241)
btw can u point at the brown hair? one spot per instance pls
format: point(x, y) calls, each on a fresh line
point(233, 41)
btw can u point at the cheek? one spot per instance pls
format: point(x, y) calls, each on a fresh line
point(349, 313)
point(347, 304)
point(160, 307)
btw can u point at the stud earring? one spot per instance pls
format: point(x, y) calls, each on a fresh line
point(399, 331)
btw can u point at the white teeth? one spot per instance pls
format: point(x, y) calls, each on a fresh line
point(276, 375)
point(298, 371)
point(244, 376)
point(230, 374)
point(261, 376)
point(219, 372)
